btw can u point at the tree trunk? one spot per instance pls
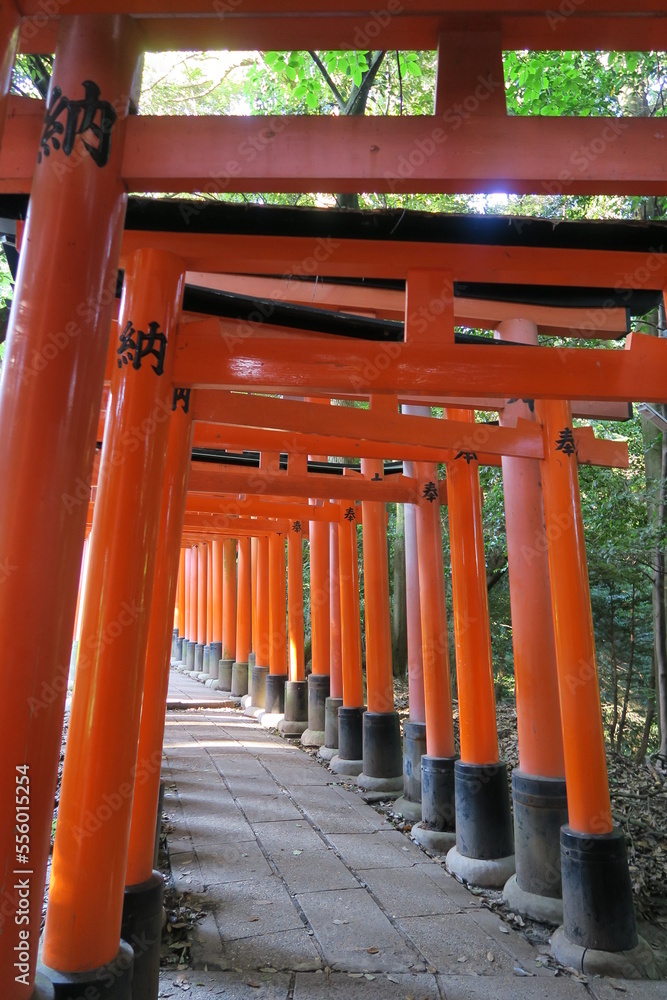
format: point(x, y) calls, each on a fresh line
point(614, 665)
point(628, 682)
point(650, 715)
point(399, 638)
point(659, 610)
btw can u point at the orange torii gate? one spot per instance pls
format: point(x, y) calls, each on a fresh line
point(72, 246)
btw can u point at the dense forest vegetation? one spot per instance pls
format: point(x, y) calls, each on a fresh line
point(624, 510)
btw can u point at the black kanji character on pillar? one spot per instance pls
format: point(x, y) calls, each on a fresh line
point(349, 514)
point(470, 456)
point(91, 115)
point(128, 345)
point(135, 350)
point(182, 396)
point(296, 527)
point(146, 346)
point(565, 441)
point(430, 492)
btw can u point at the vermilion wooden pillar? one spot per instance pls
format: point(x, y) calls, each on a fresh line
point(194, 615)
point(598, 911)
point(83, 920)
point(215, 654)
point(243, 620)
point(350, 714)
point(209, 669)
point(254, 551)
point(228, 613)
point(50, 395)
point(188, 587)
point(436, 829)
point(484, 851)
point(319, 679)
point(142, 914)
point(382, 756)
point(202, 605)
point(9, 32)
point(180, 607)
point(335, 699)
point(538, 784)
point(261, 667)
point(414, 730)
point(296, 687)
point(275, 681)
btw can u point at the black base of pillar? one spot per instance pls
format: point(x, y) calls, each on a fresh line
point(296, 701)
point(331, 707)
point(258, 686)
point(540, 809)
point(110, 982)
point(43, 989)
point(318, 692)
point(598, 911)
point(274, 693)
point(382, 751)
point(438, 797)
point(190, 655)
point(142, 929)
point(199, 657)
point(183, 655)
point(225, 674)
point(206, 665)
point(351, 733)
point(483, 818)
point(175, 645)
point(252, 660)
point(414, 748)
point(214, 658)
point(239, 679)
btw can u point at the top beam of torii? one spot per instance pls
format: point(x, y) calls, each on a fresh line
point(354, 24)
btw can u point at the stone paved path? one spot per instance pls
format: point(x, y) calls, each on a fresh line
point(185, 692)
point(311, 895)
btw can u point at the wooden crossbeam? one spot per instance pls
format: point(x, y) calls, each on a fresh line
point(448, 153)
point(305, 24)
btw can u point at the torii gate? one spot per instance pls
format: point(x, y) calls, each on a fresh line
point(72, 247)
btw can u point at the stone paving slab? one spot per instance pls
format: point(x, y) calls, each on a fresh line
point(310, 893)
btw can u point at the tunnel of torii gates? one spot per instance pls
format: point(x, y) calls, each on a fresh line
point(234, 327)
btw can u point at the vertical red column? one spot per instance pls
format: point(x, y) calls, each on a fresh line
point(261, 667)
point(598, 911)
point(194, 616)
point(350, 714)
point(254, 550)
point(295, 721)
point(9, 31)
point(209, 668)
point(243, 620)
point(202, 605)
point(335, 699)
point(50, 395)
point(383, 759)
point(319, 680)
point(180, 604)
point(538, 784)
point(228, 613)
point(142, 911)
point(82, 931)
point(484, 852)
point(275, 681)
point(215, 654)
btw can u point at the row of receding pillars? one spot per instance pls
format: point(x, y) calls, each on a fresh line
point(102, 880)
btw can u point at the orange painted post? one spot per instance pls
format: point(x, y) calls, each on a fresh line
point(335, 699)
point(9, 32)
point(215, 654)
point(192, 642)
point(437, 826)
point(275, 682)
point(598, 911)
point(349, 759)
point(142, 911)
point(243, 620)
point(179, 631)
point(228, 614)
point(202, 606)
point(319, 679)
point(538, 784)
point(414, 729)
point(188, 585)
point(296, 688)
point(254, 552)
point(261, 666)
point(484, 851)
point(382, 756)
point(209, 669)
point(50, 395)
point(83, 920)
